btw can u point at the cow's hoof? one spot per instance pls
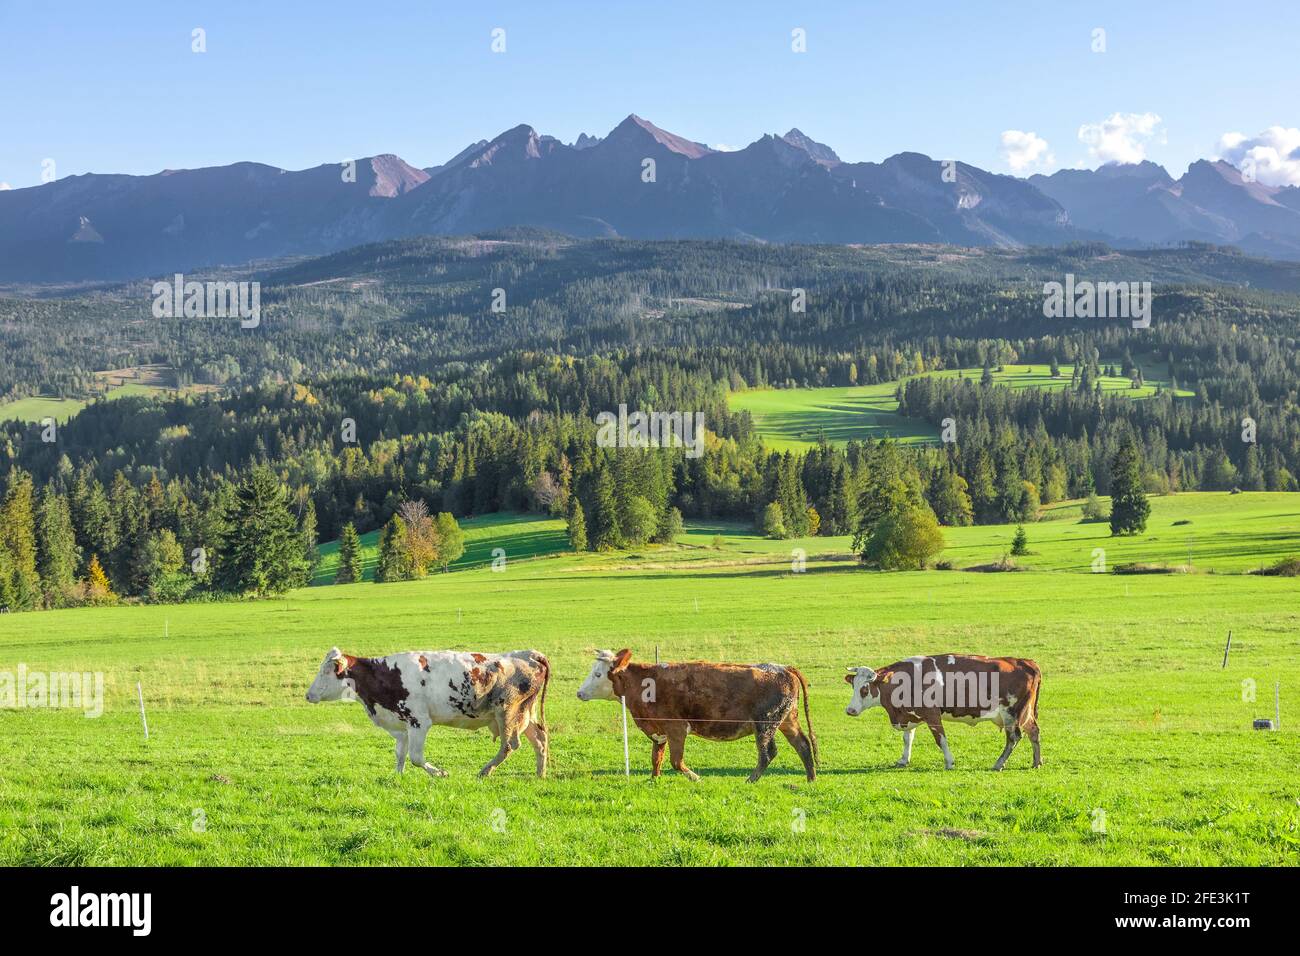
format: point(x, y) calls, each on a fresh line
point(900, 763)
point(692, 776)
point(949, 766)
point(435, 771)
point(997, 767)
point(1038, 764)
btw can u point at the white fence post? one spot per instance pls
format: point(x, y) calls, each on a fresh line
point(627, 765)
point(140, 693)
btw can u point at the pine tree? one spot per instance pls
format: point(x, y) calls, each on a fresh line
point(57, 554)
point(394, 559)
point(18, 541)
point(841, 512)
point(307, 528)
point(604, 513)
point(1129, 507)
point(1020, 543)
point(349, 555)
point(577, 525)
point(791, 496)
point(262, 553)
point(885, 492)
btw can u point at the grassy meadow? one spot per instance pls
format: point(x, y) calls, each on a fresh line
point(792, 418)
point(1142, 726)
point(519, 537)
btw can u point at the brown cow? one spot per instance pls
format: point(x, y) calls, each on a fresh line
point(962, 687)
point(713, 701)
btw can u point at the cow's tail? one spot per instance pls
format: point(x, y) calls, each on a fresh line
point(1027, 715)
point(807, 715)
point(546, 680)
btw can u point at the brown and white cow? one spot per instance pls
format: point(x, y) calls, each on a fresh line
point(408, 693)
point(713, 701)
point(961, 687)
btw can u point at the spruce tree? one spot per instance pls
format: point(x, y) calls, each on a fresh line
point(57, 555)
point(349, 555)
point(307, 527)
point(18, 534)
point(394, 559)
point(577, 525)
point(604, 513)
point(1129, 507)
point(262, 553)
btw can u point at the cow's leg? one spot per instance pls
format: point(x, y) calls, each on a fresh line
point(657, 755)
point(537, 736)
point(936, 727)
point(802, 747)
point(1013, 738)
point(800, 742)
point(908, 734)
point(399, 737)
point(509, 741)
point(1032, 731)
point(677, 750)
point(765, 735)
point(415, 744)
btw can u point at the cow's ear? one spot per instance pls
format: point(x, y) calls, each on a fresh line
point(620, 660)
point(848, 678)
point(340, 666)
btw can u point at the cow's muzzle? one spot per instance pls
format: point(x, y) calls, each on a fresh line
point(851, 712)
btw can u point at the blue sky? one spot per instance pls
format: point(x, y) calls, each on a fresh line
point(114, 87)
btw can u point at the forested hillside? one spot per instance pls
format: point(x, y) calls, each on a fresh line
point(382, 376)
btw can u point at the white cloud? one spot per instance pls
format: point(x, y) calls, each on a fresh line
point(4, 186)
point(1271, 157)
point(724, 148)
point(1024, 150)
point(1121, 137)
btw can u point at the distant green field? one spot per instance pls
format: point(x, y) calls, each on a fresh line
point(38, 409)
point(792, 418)
point(61, 409)
point(1207, 531)
point(519, 536)
point(1142, 726)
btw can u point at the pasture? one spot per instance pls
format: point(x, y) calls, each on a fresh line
point(1149, 754)
point(792, 418)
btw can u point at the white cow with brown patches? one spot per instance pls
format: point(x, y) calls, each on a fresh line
point(962, 687)
point(406, 694)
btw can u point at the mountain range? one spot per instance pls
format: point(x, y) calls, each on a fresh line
point(781, 188)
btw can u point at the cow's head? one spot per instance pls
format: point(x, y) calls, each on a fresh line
point(329, 683)
point(598, 685)
point(869, 689)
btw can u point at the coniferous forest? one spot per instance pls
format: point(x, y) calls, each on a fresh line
point(405, 385)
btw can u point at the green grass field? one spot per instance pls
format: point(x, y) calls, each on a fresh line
point(792, 418)
point(520, 537)
point(1140, 722)
point(62, 409)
